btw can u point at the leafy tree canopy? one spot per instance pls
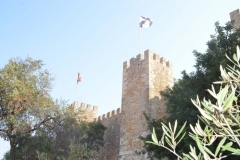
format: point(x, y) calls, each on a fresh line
point(78, 138)
point(35, 125)
point(179, 105)
point(221, 122)
point(25, 101)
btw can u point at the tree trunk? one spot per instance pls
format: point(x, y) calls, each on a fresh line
point(13, 147)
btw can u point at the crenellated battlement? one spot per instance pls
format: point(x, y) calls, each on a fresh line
point(90, 112)
point(111, 114)
point(83, 106)
point(148, 55)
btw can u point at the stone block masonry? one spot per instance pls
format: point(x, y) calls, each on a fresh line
point(112, 120)
point(235, 15)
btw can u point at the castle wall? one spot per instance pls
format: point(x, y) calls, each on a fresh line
point(235, 15)
point(112, 121)
point(143, 79)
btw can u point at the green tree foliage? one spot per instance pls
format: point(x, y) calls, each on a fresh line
point(67, 138)
point(221, 122)
point(154, 150)
point(30, 145)
point(207, 71)
point(81, 152)
point(35, 125)
point(25, 102)
point(74, 134)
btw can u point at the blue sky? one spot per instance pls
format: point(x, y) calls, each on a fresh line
point(96, 37)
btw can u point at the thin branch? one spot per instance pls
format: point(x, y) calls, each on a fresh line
point(171, 151)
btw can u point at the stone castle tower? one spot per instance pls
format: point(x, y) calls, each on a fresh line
point(143, 79)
